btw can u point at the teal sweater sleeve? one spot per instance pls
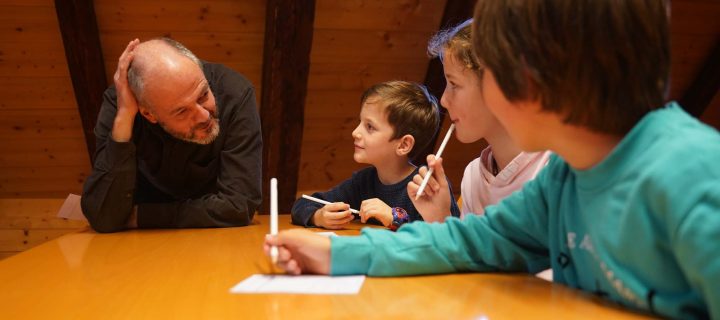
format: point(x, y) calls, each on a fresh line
point(511, 236)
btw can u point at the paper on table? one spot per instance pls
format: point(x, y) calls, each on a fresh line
point(71, 209)
point(326, 233)
point(309, 284)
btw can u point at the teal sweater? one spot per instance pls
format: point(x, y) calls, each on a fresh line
point(641, 228)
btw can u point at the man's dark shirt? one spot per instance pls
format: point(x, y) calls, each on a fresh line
point(177, 184)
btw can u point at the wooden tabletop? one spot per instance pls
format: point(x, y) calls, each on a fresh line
point(174, 274)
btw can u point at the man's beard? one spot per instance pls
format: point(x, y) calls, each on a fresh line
point(212, 132)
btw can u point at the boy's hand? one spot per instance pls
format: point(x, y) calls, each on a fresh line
point(127, 106)
point(434, 203)
point(300, 251)
point(333, 216)
point(375, 208)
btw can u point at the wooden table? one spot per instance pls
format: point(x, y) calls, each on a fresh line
point(173, 274)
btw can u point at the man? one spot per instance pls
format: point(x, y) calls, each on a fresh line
point(178, 144)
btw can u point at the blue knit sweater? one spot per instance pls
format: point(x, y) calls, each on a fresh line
point(364, 184)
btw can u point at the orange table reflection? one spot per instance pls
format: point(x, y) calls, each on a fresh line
point(161, 274)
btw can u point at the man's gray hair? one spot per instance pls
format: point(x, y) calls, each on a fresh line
point(136, 79)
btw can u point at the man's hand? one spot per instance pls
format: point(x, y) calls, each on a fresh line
point(127, 106)
point(375, 208)
point(333, 216)
point(300, 251)
point(434, 203)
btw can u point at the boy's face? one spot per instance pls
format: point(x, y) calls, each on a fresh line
point(524, 120)
point(464, 101)
point(372, 136)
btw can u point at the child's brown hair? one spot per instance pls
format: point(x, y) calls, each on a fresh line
point(602, 65)
point(410, 109)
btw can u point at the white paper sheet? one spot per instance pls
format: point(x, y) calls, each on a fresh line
point(308, 284)
point(71, 208)
point(327, 233)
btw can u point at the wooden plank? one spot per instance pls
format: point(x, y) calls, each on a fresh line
point(25, 23)
point(26, 3)
point(40, 124)
point(42, 152)
point(31, 51)
point(23, 239)
point(20, 207)
point(39, 182)
point(286, 64)
point(241, 51)
point(85, 61)
point(182, 15)
point(39, 223)
point(31, 94)
point(339, 46)
point(705, 86)
point(455, 13)
point(378, 15)
point(360, 76)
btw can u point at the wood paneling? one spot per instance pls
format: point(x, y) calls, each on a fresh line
point(31, 93)
point(224, 31)
point(42, 152)
point(356, 44)
point(25, 223)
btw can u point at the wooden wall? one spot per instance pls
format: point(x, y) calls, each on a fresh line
point(356, 43)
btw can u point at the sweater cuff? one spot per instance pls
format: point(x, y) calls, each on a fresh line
point(156, 215)
point(350, 255)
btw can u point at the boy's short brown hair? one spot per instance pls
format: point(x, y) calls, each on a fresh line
point(602, 64)
point(410, 109)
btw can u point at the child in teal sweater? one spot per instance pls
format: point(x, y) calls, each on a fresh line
point(628, 208)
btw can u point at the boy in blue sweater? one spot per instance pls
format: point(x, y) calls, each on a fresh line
point(629, 208)
point(397, 120)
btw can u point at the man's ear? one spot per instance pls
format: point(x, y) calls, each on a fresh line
point(148, 114)
point(407, 142)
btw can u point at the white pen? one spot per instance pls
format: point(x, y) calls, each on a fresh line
point(325, 202)
point(437, 155)
point(273, 218)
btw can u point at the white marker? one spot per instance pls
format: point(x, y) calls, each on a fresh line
point(437, 155)
point(273, 218)
point(325, 202)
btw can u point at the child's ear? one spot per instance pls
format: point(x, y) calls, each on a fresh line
point(407, 142)
point(148, 114)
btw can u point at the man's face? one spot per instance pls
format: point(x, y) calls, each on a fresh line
point(183, 104)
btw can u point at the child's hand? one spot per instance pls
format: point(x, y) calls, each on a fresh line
point(333, 216)
point(300, 251)
point(375, 208)
point(434, 203)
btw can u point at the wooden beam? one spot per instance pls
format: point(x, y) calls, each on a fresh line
point(700, 93)
point(83, 51)
point(286, 65)
point(456, 11)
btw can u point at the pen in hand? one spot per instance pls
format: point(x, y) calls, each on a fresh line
point(437, 155)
